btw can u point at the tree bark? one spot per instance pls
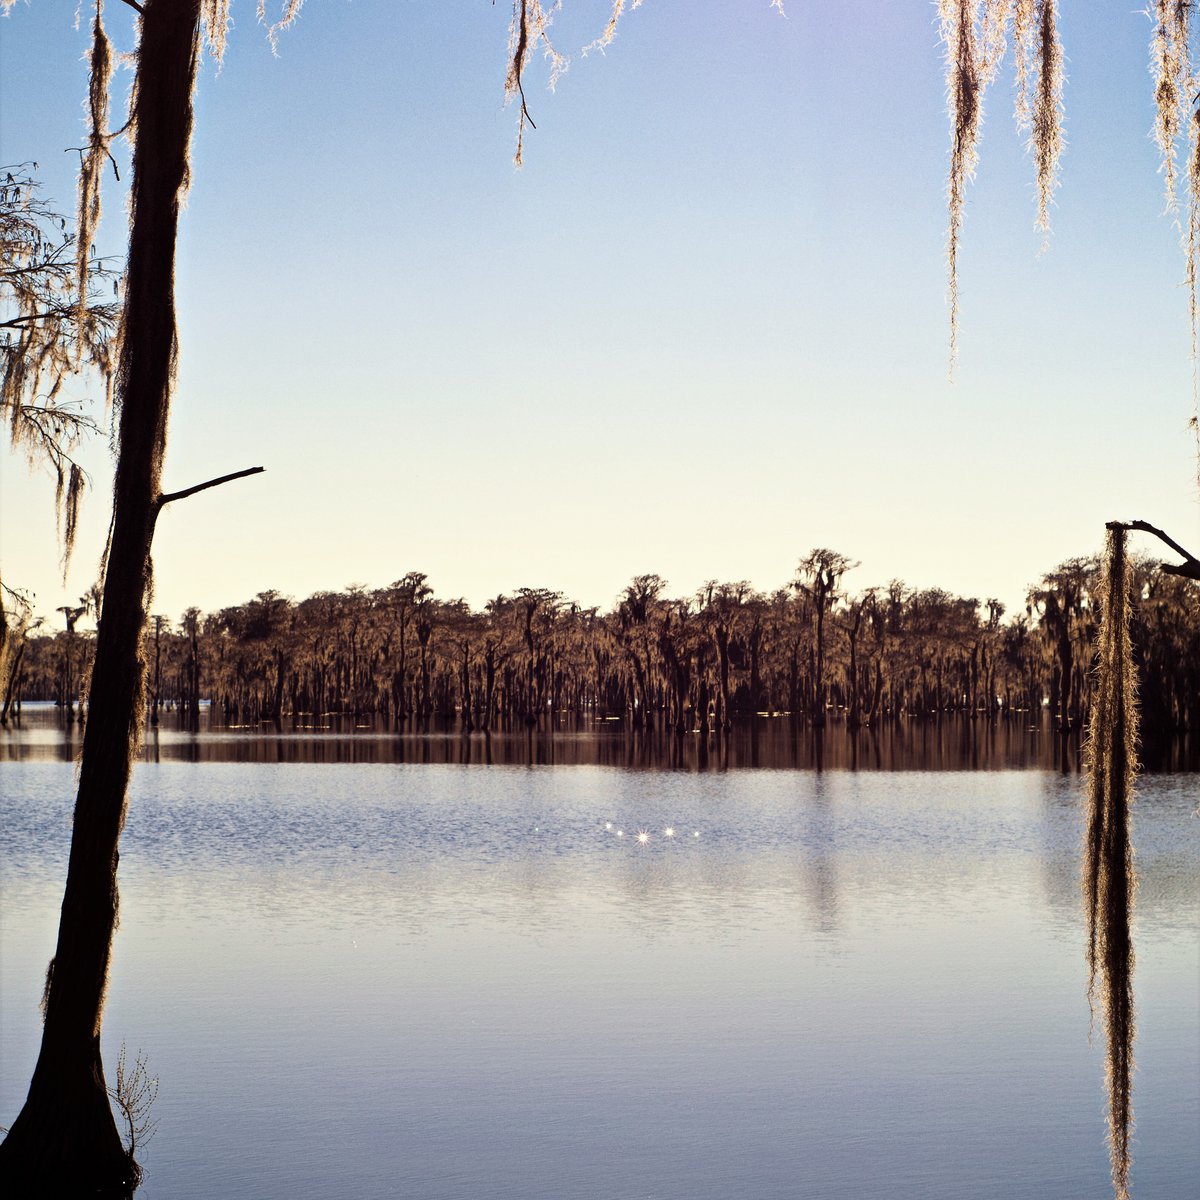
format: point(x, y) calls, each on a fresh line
point(65, 1139)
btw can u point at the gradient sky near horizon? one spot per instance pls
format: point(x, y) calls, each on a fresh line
point(702, 331)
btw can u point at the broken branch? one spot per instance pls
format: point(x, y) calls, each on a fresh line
point(1189, 569)
point(167, 497)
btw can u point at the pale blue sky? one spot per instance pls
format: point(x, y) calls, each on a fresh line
point(702, 331)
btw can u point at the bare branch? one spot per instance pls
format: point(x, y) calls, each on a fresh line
point(1190, 569)
point(167, 497)
point(19, 595)
point(104, 138)
point(31, 318)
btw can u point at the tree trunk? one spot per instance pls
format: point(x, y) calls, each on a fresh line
point(65, 1140)
point(853, 719)
point(818, 716)
point(4, 674)
point(12, 685)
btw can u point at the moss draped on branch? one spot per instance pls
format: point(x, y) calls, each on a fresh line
point(1109, 878)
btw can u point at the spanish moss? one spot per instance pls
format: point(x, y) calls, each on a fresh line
point(1047, 139)
point(1175, 87)
point(93, 156)
point(215, 17)
point(1192, 251)
point(1109, 879)
point(69, 499)
point(1024, 22)
point(58, 332)
point(997, 16)
point(964, 89)
point(1168, 55)
point(610, 30)
point(530, 28)
point(211, 13)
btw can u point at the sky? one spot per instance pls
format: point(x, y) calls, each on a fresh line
point(702, 331)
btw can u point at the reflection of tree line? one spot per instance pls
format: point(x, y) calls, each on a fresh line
point(955, 743)
point(811, 649)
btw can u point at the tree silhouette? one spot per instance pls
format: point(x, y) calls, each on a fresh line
point(55, 324)
point(818, 576)
point(65, 1136)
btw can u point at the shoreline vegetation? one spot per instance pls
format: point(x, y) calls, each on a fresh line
point(813, 651)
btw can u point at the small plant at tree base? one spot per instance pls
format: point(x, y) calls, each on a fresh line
point(133, 1096)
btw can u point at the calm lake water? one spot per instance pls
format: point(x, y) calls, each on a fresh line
point(948, 744)
point(449, 982)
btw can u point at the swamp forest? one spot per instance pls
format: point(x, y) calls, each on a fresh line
point(814, 650)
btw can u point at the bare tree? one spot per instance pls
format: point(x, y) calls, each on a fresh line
point(56, 324)
point(65, 1138)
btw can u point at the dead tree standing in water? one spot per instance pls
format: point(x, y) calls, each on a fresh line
point(65, 1137)
point(818, 577)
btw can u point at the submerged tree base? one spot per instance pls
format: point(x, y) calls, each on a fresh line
point(32, 1184)
point(65, 1144)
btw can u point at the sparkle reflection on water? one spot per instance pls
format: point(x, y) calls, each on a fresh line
point(449, 983)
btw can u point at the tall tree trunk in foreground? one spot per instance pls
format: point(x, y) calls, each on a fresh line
point(65, 1136)
point(1109, 878)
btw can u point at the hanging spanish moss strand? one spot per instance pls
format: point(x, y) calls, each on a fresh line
point(1175, 87)
point(90, 342)
point(1164, 67)
point(91, 168)
point(1182, 20)
point(610, 30)
point(614, 19)
point(215, 13)
point(1191, 239)
point(529, 28)
point(518, 58)
point(69, 506)
point(1192, 250)
point(1024, 23)
point(993, 39)
point(1109, 879)
point(1047, 139)
point(964, 95)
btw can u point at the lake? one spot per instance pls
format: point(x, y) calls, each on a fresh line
point(948, 744)
point(449, 981)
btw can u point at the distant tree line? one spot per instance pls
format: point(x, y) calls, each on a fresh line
point(812, 650)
